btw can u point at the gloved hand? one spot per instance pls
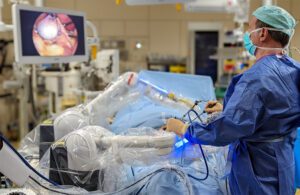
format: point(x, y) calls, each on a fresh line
point(213, 106)
point(176, 126)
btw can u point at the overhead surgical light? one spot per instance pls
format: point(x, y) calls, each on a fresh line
point(240, 8)
point(211, 5)
point(154, 2)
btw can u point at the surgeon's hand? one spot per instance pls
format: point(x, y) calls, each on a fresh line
point(213, 106)
point(176, 126)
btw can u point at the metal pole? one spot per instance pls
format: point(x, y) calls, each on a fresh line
point(23, 102)
point(267, 2)
point(39, 3)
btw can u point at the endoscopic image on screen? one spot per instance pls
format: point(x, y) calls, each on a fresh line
point(55, 35)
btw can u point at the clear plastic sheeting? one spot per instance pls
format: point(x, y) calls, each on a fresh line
point(114, 144)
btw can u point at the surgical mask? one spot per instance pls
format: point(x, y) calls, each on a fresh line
point(248, 44)
point(251, 48)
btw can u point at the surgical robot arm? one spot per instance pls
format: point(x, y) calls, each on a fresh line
point(99, 110)
point(88, 144)
point(96, 112)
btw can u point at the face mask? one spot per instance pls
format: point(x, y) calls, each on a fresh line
point(251, 48)
point(248, 44)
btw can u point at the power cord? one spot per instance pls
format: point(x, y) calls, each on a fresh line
point(45, 187)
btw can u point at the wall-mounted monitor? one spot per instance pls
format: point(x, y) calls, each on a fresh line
point(47, 35)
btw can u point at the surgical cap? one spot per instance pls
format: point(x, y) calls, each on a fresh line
point(276, 17)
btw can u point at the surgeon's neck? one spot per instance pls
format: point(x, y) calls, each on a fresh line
point(263, 52)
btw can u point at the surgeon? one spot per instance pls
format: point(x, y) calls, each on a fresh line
point(261, 111)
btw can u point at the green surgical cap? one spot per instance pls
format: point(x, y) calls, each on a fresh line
point(276, 17)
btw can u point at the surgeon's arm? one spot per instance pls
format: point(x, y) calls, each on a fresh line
point(240, 118)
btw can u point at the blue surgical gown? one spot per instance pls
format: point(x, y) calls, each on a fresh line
point(259, 120)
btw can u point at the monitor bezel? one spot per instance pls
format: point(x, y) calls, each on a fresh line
point(19, 58)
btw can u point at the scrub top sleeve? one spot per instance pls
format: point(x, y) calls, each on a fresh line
point(239, 119)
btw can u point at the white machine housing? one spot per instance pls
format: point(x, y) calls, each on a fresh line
point(12, 166)
point(61, 86)
point(107, 65)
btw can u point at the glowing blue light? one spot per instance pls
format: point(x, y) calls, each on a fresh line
point(181, 143)
point(160, 90)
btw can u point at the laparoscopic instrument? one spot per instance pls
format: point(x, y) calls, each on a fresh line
point(165, 93)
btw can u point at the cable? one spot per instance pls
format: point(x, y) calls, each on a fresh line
point(206, 166)
point(41, 185)
point(26, 163)
point(226, 184)
point(201, 149)
point(205, 162)
point(118, 191)
point(149, 175)
point(193, 110)
point(197, 115)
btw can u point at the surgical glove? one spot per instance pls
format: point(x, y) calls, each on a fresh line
point(176, 126)
point(213, 106)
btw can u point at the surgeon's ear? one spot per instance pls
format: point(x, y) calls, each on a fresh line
point(263, 34)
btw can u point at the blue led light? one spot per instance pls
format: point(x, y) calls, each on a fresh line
point(181, 143)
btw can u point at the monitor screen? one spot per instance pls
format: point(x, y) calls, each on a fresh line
point(45, 35)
